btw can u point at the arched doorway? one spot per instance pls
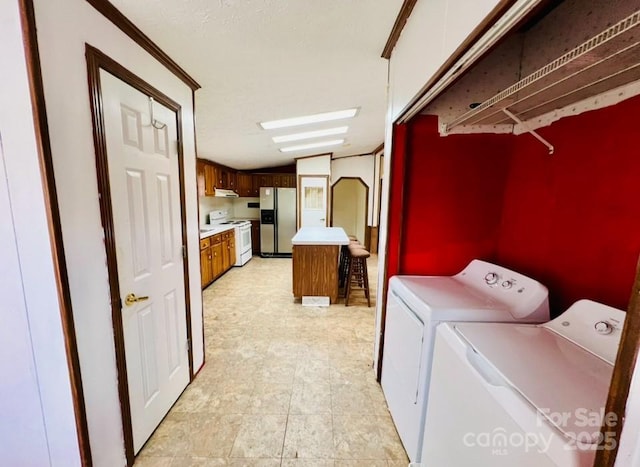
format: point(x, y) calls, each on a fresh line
point(350, 207)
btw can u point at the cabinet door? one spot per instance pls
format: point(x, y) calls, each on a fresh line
point(210, 179)
point(277, 181)
point(244, 184)
point(255, 185)
point(266, 180)
point(232, 249)
point(255, 236)
point(206, 264)
point(290, 181)
point(200, 178)
point(231, 180)
point(225, 254)
point(220, 179)
point(217, 269)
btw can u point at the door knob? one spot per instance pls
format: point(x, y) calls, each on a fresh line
point(131, 299)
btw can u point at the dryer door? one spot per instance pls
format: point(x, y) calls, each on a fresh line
point(403, 370)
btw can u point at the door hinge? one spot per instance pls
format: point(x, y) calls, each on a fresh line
point(189, 345)
point(184, 251)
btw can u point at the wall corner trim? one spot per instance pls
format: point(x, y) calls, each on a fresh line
point(123, 23)
point(41, 127)
point(398, 26)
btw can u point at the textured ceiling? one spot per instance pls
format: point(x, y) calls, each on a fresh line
point(263, 60)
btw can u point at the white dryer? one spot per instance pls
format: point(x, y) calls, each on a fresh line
point(526, 395)
point(417, 304)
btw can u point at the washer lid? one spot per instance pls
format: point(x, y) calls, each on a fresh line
point(448, 299)
point(566, 384)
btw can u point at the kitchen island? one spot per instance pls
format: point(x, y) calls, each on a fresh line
point(316, 256)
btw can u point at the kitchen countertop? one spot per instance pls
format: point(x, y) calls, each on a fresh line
point(215, 230)
point(320, 236)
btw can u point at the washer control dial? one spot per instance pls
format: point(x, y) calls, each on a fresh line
point(602, 327)
point(491, 278)
point(507, 284)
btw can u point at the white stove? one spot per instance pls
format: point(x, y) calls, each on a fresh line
point(242, 230)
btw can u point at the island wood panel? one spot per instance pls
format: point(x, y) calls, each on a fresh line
point(315, 271)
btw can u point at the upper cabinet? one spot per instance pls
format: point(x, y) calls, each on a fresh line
point(210, 179)
point(211, 176)
point(244, 182)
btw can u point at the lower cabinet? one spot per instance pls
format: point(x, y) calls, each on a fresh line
point(217, 256)
point(206, 262)
point(255, 237)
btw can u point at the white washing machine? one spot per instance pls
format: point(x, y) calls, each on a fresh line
point(417, 304)
point(509, 395)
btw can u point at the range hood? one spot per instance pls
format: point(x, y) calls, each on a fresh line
point(604, 62)
point(220, 193)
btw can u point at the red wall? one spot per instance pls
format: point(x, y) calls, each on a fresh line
point(571, 220)
point(396, 198)
point(453, 198)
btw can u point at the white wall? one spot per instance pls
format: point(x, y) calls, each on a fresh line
point(629, 449)
point(318, 165)
point(63, 28)
point(378, 175)
point(37, 425)
point(211, 203)
point(359, 166)
point(382, 228)
point(242, 211)
point(349, 203)
point(435, 29)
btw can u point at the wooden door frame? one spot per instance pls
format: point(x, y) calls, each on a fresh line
point(45, 156)
point(299, 200)
point(366, 206)
point(96, 60)
point(626, 365)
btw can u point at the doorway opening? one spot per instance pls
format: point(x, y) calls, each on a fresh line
point(350, 207)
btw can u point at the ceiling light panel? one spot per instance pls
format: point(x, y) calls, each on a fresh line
point(319, 144)
point(307, 119)
point(341, 130)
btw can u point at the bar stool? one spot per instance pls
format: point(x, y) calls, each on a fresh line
point(357, 276)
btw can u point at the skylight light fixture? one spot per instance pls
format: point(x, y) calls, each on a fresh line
point(316, 118)
point(319, 144)
point(310, 134)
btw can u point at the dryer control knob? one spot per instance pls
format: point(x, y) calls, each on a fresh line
point(491, 278)
point(507, 285)
point(602, 327)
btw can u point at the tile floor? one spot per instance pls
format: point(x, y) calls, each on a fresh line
point(283, 385)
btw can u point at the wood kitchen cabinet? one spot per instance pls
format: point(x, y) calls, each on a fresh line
point(255, 237)
point(216, 253)
point(266, 179)
point(209, 179)
point(288, 180)
point(206, 262)
point(226, 178)
point(200, 177)
point(226, 252)
point(217, 256)
point(244, 184)
point(255, 185)
point(211, 176)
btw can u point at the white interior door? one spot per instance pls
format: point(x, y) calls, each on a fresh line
point(144, 179)
point(314, 201)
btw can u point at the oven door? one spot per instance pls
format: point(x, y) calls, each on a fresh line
point(245, 238)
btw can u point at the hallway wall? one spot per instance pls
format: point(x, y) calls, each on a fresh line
point(64, 26)
point(37, 425)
